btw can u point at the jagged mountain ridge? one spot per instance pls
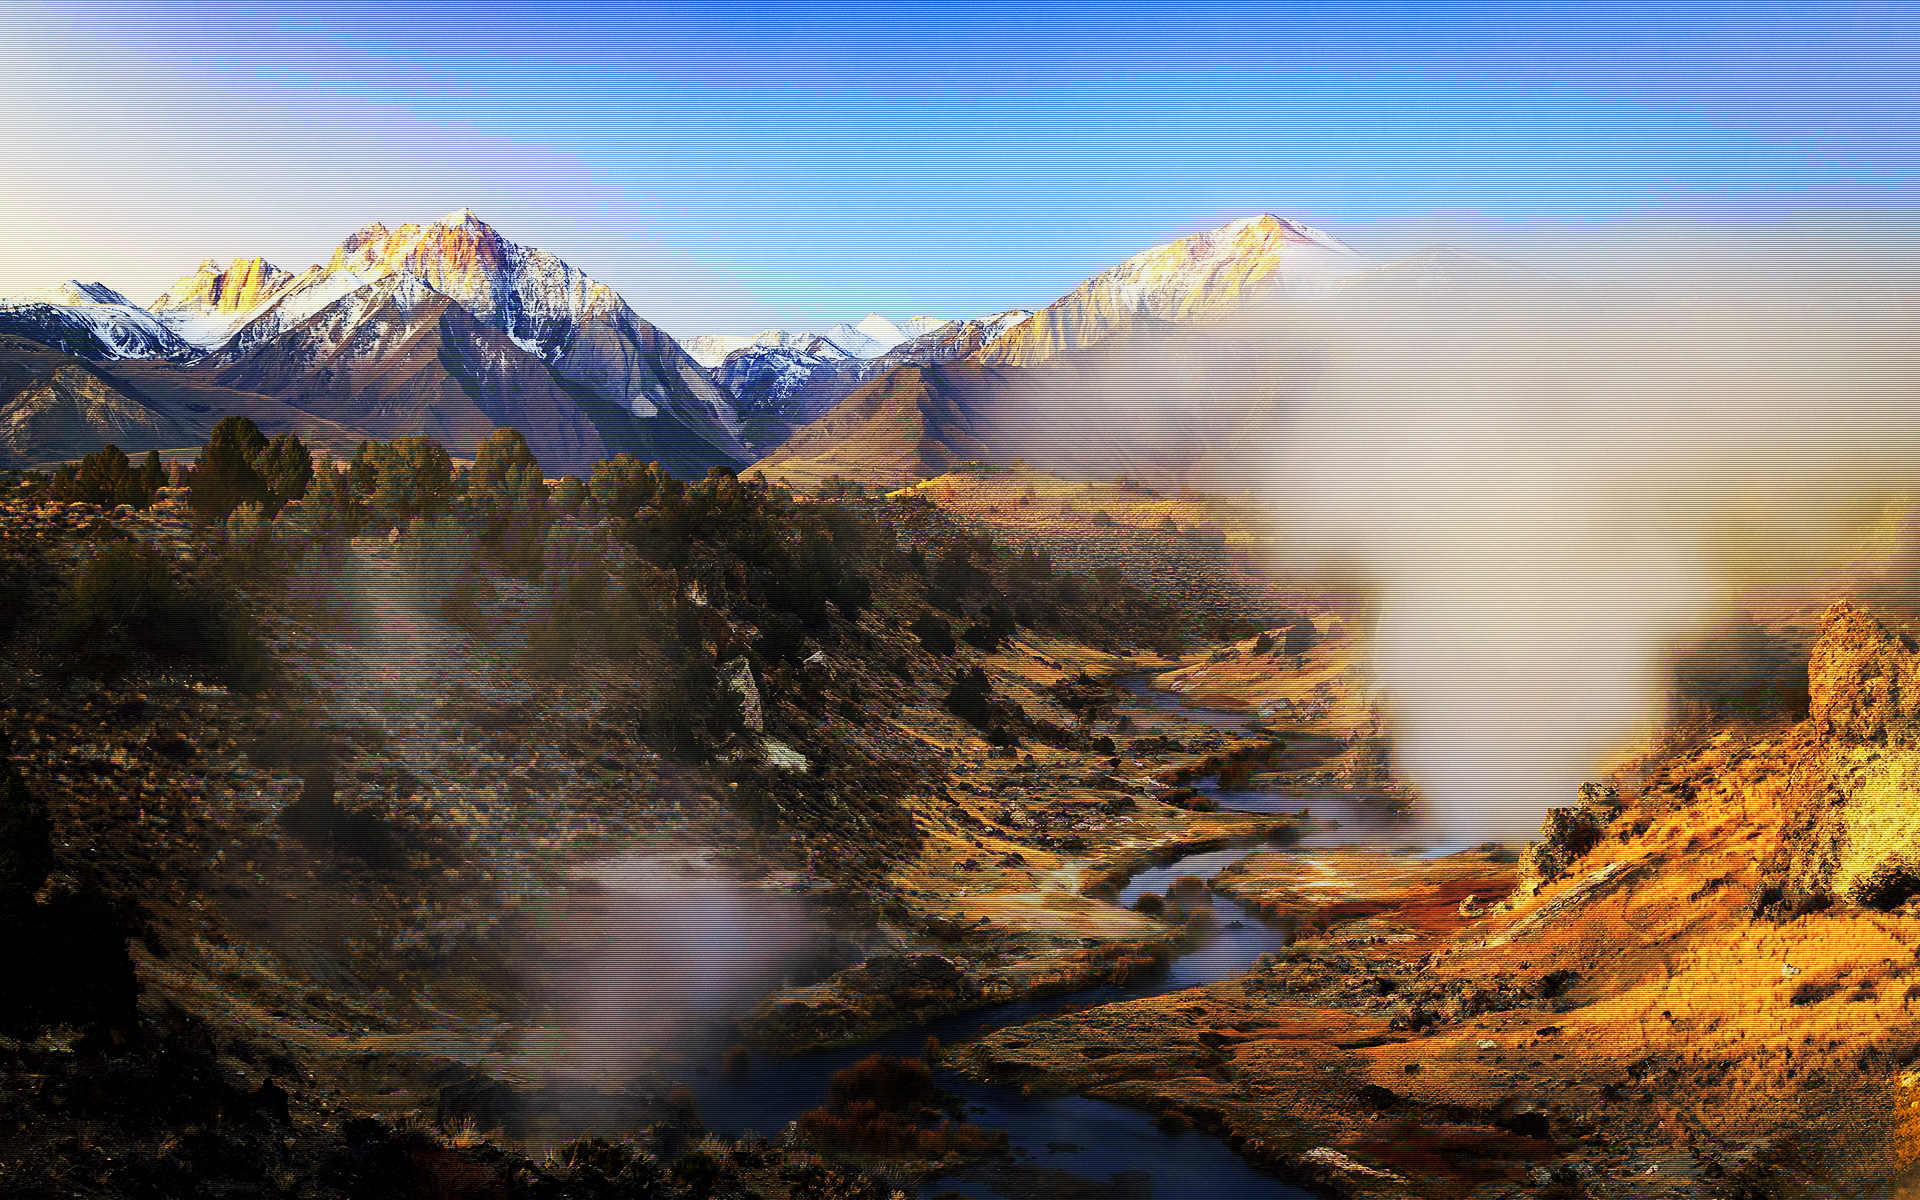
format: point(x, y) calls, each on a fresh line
point(92, 321)
point(1197, 278)
point(873, 336)
point(780, 389)
point(207, 306)
point(583, 374)
point(399, 356)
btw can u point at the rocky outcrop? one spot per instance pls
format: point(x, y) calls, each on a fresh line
point(1566, 834)
point(1863, 680)
point(737, 677)
point(239, 287)
point(1853, 830)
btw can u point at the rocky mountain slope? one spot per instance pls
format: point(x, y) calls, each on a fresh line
point(533, 336)
point(446, 328)
point(92, 321)
point(781, 387)
point(1198, 278)
point(51, 401)
point(207, 306)
point(1114, 406)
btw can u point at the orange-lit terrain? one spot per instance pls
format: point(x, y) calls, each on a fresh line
point(1699, 983)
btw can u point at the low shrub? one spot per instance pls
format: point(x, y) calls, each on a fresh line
point(866, 1128)
point(936, 636)
point(967, 699)
point(988, 634)
point(891, 1083)
point(698, 1172)
point(1188, 888)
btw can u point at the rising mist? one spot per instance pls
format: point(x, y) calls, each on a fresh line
point(1545, 488)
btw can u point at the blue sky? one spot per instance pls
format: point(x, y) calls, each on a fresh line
point(732, 167)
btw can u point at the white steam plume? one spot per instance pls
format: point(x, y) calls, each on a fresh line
point(1546, 489)
point(1541, 490)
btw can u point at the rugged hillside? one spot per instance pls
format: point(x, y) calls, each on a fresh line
point(374, 879)
point(55, 406)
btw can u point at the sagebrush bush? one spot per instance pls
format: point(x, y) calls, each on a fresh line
point(967, 699)
point(123, 598)
point(445, 565)
point(936, 636)
point(325, 587)
point(247, 536)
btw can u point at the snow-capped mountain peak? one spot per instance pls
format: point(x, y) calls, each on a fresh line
point(90, 320)
point(71, 291)
point(207, 306)
point(1197, 278)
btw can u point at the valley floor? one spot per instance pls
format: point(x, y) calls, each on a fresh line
point(1446, 1026)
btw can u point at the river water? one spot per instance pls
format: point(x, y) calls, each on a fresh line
point(1098, 1142)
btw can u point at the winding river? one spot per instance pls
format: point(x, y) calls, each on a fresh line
point(1115, 1151)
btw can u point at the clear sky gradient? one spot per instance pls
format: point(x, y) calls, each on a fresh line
point(733, 167)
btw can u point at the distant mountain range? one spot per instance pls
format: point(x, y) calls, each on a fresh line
point(784, 383)
point(451, 330)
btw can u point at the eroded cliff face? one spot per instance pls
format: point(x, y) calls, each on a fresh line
point(1853, 832)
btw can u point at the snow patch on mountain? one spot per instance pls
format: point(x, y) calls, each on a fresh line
point(998, 325)
point(872, 337)
point(1167, 281)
